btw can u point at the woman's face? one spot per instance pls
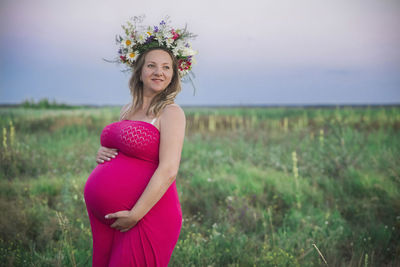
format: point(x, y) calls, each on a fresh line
point(157, 71)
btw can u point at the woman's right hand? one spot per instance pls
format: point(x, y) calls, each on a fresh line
point(105, 154)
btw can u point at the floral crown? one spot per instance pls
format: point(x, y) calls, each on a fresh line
point(138, 39)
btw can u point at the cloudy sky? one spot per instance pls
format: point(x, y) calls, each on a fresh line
point(249, 52)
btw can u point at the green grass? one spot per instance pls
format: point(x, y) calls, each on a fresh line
point(242, 204)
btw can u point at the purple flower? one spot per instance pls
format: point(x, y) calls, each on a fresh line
point(187, 45)
point(162, 22)
point(242, 213)
point(149, 39)
point(155, 29)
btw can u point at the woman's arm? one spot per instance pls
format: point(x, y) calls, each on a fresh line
point(106, 153)
point(172, 126)
point(172, 133)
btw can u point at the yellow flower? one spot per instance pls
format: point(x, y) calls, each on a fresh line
point(5, 137)
point(128, 42)
point(132, 56)
point(12, 133)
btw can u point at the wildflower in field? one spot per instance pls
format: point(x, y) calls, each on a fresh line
point(285, 124)
point(321, 137)
point(214, 230)
point(296, 175)
point(211, 123)
point(5, 138)
point(295, 169)
point(12, 134)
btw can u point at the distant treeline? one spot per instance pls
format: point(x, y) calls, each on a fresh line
point(44, 103)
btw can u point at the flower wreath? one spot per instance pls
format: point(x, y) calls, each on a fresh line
point(138, 39)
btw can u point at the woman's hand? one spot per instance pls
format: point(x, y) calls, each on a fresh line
point(125, 220)
point(105, 153)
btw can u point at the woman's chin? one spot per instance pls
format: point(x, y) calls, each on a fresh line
point(156, 90)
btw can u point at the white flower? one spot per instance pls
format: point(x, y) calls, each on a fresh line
point(175, 51)
point(160, 37)
point(187, 51)
point(183, 72)
point(229, 199)
point(179, 46)
point(168, 35)
point(214, 231)
point(127, 43)
point(132, 56)
point(142, 38)
point(169, 42)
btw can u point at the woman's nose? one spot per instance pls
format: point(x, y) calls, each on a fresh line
point(158, 71)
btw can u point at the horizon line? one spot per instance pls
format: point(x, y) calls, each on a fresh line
point(321, 105)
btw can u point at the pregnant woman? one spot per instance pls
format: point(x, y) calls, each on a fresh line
point(131, 195)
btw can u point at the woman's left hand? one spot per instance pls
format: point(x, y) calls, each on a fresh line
point(124, 220)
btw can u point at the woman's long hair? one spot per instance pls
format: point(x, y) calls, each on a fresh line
point(165, 97)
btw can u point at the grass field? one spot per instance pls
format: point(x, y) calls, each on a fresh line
point(258, 186)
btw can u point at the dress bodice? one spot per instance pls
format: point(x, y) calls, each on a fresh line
point(137, 139)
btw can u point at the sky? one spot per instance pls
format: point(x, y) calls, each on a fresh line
point(305, 52)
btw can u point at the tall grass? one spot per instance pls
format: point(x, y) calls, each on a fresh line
point(258, 186)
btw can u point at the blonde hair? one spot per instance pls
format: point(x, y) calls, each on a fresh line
point(162, 99)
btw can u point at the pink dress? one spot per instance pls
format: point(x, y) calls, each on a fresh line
point(116, 185)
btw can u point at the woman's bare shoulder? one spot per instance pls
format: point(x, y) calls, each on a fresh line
point(124, 109)
point(172, 112)
point(172, 109)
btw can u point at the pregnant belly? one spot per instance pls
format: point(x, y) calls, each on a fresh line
point(117, 185)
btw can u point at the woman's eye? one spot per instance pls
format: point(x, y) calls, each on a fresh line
point(150, 65)
point(166, 67)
